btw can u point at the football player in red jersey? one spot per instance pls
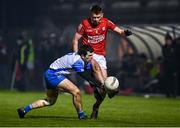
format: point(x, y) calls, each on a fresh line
point(93, 31)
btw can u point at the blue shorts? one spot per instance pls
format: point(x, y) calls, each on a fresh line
point(52, 79)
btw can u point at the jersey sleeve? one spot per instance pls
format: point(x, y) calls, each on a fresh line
point(78, 66)
point(88, 66)
point(110, 25)
point(80, 29)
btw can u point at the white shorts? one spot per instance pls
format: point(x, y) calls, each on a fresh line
point(101, 60)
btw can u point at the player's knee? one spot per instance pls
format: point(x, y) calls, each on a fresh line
point(50, 101)
point(76, 92)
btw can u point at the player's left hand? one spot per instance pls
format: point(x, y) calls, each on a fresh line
point(127, 32)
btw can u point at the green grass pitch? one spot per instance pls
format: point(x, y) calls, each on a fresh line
point(119, 111)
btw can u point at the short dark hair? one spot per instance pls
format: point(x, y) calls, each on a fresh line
point(84, 49)
point(96, 9)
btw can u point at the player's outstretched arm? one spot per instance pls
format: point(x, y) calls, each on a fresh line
point(122, 32)
point(75, 41)
point(91, 79)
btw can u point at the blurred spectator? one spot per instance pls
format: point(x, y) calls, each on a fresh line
point(155, 83)
point(30, 57)
point(3, 63)
point(129, 69)
point(169, 66)
point(43, 55)
point(144, 66)
point(123, 48)
point(20, 57)
point(129, 62)
point(54, 43)
point(45, 51)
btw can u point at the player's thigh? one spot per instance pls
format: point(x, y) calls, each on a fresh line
point(68, 86)
point(104, 72)
point(52, 79)
point(101, 60)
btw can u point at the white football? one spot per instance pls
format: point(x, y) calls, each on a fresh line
point(111, 83)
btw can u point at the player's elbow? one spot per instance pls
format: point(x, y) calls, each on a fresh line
point(75, 41)
point(75, 45)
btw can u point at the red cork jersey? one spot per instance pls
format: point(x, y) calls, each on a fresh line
point(95, 36)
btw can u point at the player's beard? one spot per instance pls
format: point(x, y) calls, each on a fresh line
point(94, 23)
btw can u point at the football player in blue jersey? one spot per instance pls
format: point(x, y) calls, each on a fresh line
point(55, 78)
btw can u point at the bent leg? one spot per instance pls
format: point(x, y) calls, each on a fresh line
point(51, 98)
point(104, 72)
point(69, 87)
point(99, 95)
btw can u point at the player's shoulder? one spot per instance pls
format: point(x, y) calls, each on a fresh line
point(72, 55)
point(85, 22)
point(76, 57)
point(77, 61)
point(104, 19)
point(108, 23)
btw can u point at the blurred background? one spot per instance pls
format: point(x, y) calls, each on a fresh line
point(34, 33)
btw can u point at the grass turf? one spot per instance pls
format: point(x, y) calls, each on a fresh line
point(119, 111)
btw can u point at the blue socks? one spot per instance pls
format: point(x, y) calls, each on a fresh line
point(81, 115)
point(27, 108)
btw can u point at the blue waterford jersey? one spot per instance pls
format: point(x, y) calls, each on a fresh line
point(68, 63)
